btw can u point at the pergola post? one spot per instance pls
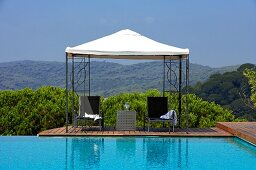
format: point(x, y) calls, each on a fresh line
point(73, 88)
point(177, 81)
point(164, 78)
point(66, 93)
point(89, 62)
point(180, 79)
point(187, 84)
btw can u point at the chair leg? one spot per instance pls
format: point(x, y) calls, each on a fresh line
point(173, 125)
point(148, 124)
point(169, 127)
point(100, 124)
point(75, 123)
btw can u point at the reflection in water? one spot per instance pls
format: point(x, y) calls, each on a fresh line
point(179, 154)
point(126, 147)
point(85, 152)
point(126, 153)
point(66, 153)
point(158, 153)
point(166, 152)
point(154, 153)
point(186, 157)
point(242, 145)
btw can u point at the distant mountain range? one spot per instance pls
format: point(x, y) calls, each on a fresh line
point(106, 78)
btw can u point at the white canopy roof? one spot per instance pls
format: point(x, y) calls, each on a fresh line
point(126, 44)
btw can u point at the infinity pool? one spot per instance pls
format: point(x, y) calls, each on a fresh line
point(126, 153)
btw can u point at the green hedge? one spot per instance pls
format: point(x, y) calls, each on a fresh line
point(201, 113)
point(27, 112)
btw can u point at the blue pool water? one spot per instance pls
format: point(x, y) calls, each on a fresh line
point(126, 153)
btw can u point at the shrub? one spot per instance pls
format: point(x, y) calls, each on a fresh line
point(27, 112)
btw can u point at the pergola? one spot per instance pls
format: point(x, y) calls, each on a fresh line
point(127, 44)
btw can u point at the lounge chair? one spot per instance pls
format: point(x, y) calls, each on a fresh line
point(89, 109)
point(157, 107)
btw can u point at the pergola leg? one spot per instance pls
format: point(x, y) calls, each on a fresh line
point(187, 84)
point(164, 78)
point(73, 91)
point(178, 88)
point(89, 60)
point(66, 93)
point(180, 79)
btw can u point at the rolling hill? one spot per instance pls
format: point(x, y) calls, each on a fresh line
point(106, 78)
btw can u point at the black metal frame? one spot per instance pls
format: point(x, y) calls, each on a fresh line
point(177, 80)
point(80, 70)
point(79, 76)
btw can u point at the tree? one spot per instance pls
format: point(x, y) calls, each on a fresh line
point(229, 90)
point(251, 75)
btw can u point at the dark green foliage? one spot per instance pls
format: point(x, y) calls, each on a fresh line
point(251, 75)
point(229, 90)
point(27, 112)
point(246, 66)
point(201, 113)
point(137, 101)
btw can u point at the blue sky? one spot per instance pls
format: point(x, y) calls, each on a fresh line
point(218, 33)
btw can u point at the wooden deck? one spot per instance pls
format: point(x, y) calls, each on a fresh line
point(244, 130)
point(202, 132)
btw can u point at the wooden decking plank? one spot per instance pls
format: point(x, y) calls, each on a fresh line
point(245, 130)
point(49, 131)
point(54, 131)
point(71, 130)
point(63, 131)
point(79, 130)
point(58, 130)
